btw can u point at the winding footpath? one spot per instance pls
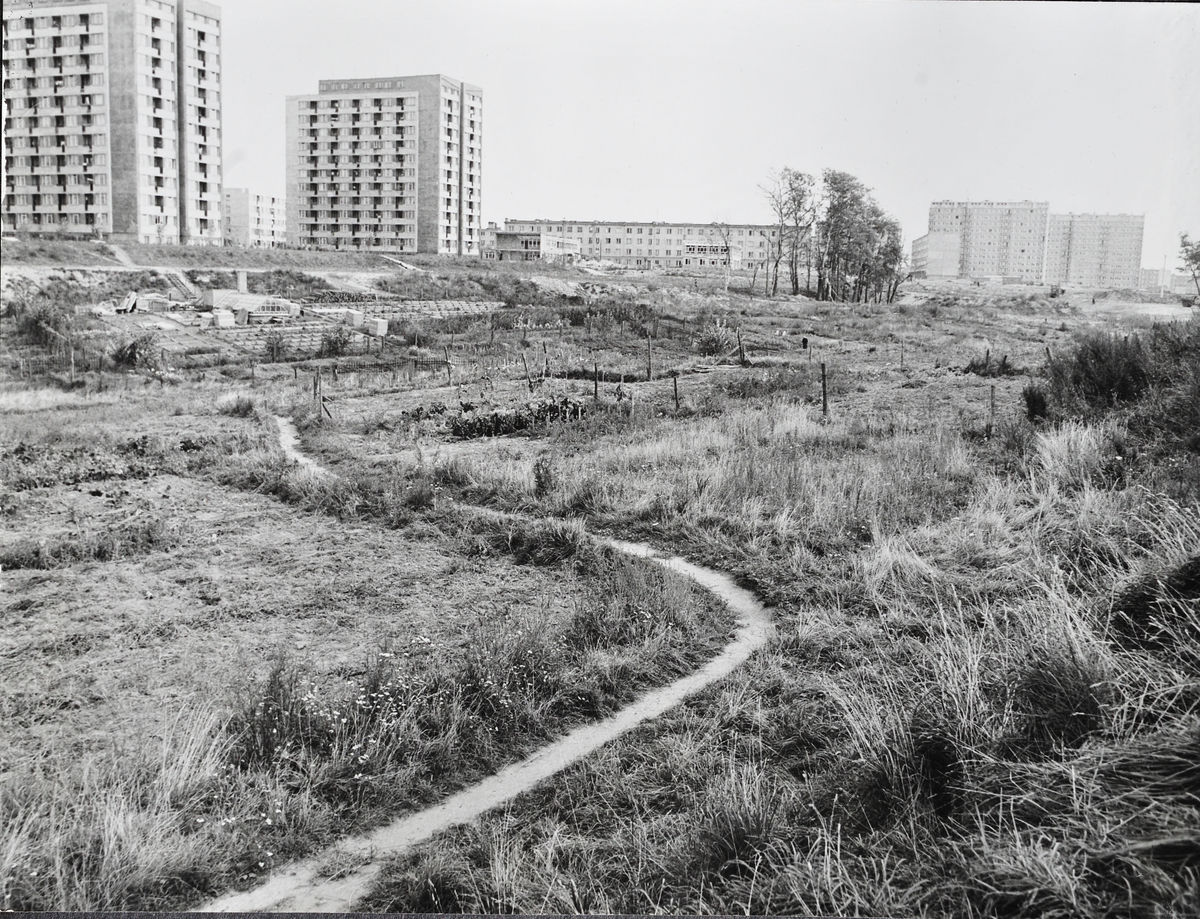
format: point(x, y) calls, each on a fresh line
point(302, 887)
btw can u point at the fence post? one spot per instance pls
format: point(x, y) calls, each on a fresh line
point(649, 358)
point(992, 411)
point(449, 378)
point(741, 347)
point(675, 381)
point(596, 381)
point(824, 393)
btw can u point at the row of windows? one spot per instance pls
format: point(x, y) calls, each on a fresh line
point(86, 160)
point(89, 219)
point(64, 199)
point(34, 64)
point(681, 230)
point(64, 21)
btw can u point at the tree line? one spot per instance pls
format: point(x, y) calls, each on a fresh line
point(834, 229)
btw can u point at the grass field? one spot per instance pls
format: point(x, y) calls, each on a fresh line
point(982, 699)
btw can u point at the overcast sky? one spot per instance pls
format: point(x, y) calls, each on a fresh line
point(663, 110)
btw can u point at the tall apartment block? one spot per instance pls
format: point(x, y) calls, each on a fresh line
point(1095, 250)
point(393, 164)
point(112, 119)
point(661, 245)
point(983, 239)
point(253, 220)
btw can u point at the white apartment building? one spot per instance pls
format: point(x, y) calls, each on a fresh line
point(1095, 250)
point(983, 239)
point(392, 163)
point(662, 245)
point(112, 119)
point(253, 220)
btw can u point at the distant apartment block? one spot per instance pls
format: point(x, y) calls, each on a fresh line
point(983, 239)
point(1023, 241)
point(393, 164)
point(662, 245)
point(1094, 250)
point(112, 119)
point(253, 220)
point(514, 246)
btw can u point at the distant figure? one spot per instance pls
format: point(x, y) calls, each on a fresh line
point(1093, 300)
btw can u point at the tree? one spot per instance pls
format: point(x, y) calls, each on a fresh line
point(776, 195)
point(1190, 253)
point(800, 208)
point(725, 233)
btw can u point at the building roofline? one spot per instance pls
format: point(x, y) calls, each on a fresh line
point(640, 223)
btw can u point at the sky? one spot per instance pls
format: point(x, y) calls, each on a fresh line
point(682, 111)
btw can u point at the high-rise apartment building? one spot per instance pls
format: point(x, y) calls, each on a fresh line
point(974, 239)
point(1095, 250)
point(1023, 241)
point(662, 245)
point(112, 119)
point(253, 220)
point(392, 163)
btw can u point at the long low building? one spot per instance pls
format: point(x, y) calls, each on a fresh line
point(661, 245)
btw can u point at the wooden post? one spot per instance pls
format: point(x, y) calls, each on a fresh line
point(335, 373)
point(824, 393)
point(741, 347)
point(649, 358)
point(675, 382)
point(992, 411)
point(596, 381)
point(316, 383)
point(546, 359)
point(528, 379)
point(295, 372)
point(449, 377)
point(902, 354)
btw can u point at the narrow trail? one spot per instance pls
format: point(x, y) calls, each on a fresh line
point(302, 888)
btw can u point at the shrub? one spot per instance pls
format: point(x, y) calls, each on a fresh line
point(1036, 402)
point(241, 405)
point(1103, 370)
point(986, 367)
point(716, 340)
point(334, 343)
point(543, 477)
point(137, 353)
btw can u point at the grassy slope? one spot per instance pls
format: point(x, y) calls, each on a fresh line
point(950, 723)
point(304, 667)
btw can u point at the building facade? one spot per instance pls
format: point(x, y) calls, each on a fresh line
point(662, 245)
point(253, 220)
point(112, 119)
point(985, 239)
point(513, 246)
point(394, 164)
point(1095, 250)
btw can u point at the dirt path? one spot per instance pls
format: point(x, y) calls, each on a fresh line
point(304, 887)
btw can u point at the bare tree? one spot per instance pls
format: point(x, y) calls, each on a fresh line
point(725, 233)
point(775, 192)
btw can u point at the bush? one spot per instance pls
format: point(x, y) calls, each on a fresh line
point(716, 340)
point(986, 367)
point(1102, 371)
point(237, 406)
point(137, 353)
point(1037, 406)
point(335, 343)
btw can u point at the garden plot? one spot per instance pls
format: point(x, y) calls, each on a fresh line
point(291, 337)
point(428, 309)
